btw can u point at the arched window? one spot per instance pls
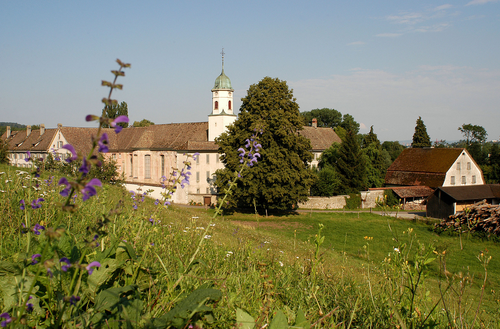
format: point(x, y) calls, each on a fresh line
point(229, 103)
point(216, 105)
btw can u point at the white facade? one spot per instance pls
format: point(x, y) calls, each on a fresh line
point(464, 171)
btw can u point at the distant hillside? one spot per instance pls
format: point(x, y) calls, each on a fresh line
point(13, 126)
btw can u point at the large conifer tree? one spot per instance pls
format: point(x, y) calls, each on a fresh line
point(281, 178)
point(351, 165)
point(420, 137)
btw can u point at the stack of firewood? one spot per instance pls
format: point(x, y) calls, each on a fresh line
point(481, 217)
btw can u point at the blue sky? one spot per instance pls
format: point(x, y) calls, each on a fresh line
point(384, 62)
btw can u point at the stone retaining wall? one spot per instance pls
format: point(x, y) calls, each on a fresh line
point(368, 200)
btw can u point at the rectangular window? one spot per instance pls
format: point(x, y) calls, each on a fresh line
point(198, 159)
point(452, 181)
point(114, 156)
point(464, 180)
point(147, 166)
point(208, 190)
point(458, 166)
point(208, 174)
point(208, 158)
point(217, 158)
point(197, 191)
point(162, 172)
point(119, 155)
point(131, 165)
point(136, 169)
point(473, 179)
point(197, 176)
point(468, 165)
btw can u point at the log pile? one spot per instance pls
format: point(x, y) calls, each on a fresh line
point(481, 217)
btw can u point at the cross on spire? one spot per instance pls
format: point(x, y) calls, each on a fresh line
point(223, 53)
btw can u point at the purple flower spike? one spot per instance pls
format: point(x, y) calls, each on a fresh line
point(34, 259)
point(29, 157)
point(70, 148)
point(90, 267)
point(103, 143)
point(7, 320)
point(120, 119)
point(195, 156)
point(23, 204)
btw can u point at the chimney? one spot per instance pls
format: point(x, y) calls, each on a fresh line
point(315, 123)
point(8, 131)
point(42, 129)
point(28, 131)
point(59, 126)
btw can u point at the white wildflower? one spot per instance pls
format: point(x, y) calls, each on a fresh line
point(281, 263)
point(208, 236)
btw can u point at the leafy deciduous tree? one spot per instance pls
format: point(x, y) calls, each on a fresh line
point(143, 123)
point(281, 177)
point(114, 111)
point(420, 137)
point(473, 133)
point(326, 117)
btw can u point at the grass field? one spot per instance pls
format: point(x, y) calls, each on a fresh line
point(344, 270)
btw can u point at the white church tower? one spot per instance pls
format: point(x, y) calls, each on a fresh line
point(222, 105)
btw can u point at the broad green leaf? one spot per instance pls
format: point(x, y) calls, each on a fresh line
point(187, 308)
point(301, 321)
point(101, 275)
point(109, 298)
point(279, 321)
point(244, 320)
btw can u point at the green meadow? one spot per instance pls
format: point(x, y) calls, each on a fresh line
point(184, 267)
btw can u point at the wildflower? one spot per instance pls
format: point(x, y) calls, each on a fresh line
point(120, 119)
point(103, 143)
point(7, 320)
point(70, 148)
point(34, 259)
point(67, 262)
point(29, 157)
point(37, 228)
point(89, 189)
point(72, 300)
point(91, 117)
point(207, 236)
point(85, 168)
point(281, 263)
point(29, 306)
point(90, 267)
point(195, 156)
point(35, 204)
point(396, 250)
point(66, 190)
point(23, 204)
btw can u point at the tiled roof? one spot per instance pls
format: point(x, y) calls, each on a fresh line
point(413, 191)
point(472, 192)
point(176, 136)
point(18, 141)
point(422, 166)
point(81, 138)
point(321, 138)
